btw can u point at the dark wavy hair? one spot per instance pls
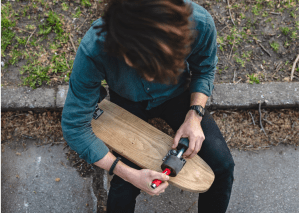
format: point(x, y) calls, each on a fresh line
point(155, 35)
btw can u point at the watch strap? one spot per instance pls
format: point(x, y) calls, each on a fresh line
point(113, 166)
point(199, 109)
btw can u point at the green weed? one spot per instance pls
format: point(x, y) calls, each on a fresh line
point(14, 56)
point(268, 20)
point(239, 61)
point(247, 55)
point(286, 43)
point(85, 3)
point(285, 30)
point(77, 13)
point(253, 79)
point(53, 23)
point(30, 27)
point(242, 15)
point(221, 42)
point(7, 23)
point(294, 35)
point(271, 4)
point(275, 46)
point(256, 9)
point(65, 6)
point(236, 5)
point(265, 14)
point(103, 82)
point(234, 37)
point(59, 64)
point(25, 10)
point(37, 74)
point(22, 41)
point(293, 14)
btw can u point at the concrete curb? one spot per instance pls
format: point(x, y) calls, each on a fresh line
point(246, 96)
point(25, 98)
point(224, 96)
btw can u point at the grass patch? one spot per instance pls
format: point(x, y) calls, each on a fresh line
point(53, 23)
point(37, 73)
point(285, 30)
point(65, 6)
point(60, 64)
point(86, 3)
point(77, 13)
point(239, 61)
point(253, 79)
point(256, 9)
point(7, 22)
point(275, 46)
point(294, 35)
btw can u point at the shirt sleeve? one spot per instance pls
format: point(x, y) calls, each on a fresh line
point(203, 60)
point(82, 97)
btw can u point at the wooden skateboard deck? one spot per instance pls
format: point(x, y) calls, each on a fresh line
point(144, 145)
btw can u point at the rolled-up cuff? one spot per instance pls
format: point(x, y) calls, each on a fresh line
point(202, 86)
point(95, 152)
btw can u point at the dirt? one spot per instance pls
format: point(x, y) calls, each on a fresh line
point(242, 132)
point(241, 128)
point(256, 29)
point(258, 32)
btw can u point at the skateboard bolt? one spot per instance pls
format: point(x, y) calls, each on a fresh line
point(180, 153)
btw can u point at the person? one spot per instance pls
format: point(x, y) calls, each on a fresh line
point(158, 58)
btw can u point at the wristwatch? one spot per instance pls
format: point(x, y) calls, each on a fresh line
point(199, 109)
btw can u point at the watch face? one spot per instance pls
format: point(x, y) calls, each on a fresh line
point(200, 110)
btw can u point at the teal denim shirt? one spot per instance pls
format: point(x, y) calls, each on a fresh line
point(92, 65)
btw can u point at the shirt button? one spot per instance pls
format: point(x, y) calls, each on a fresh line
point(148, 89)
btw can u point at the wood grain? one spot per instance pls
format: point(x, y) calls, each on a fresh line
point(146, 146)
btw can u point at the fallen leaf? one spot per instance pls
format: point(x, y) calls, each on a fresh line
point(286, 79)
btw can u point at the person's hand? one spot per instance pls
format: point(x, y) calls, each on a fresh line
point(144, 178)
point(191, 129)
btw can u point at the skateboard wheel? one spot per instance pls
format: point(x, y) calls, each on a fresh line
point(174, 164)
point(183, 143)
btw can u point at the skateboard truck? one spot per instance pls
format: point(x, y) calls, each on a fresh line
point(97, 112)
point(173, 161)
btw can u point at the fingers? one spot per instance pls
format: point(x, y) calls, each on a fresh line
point(190, 150)
point(197, 147)
point(161, 188)
point(159, 176)
point(196, 150)
point(176, 139)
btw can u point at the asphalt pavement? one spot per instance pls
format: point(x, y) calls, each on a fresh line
point(266, 181)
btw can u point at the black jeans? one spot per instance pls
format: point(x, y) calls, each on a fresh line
point(214, 152)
